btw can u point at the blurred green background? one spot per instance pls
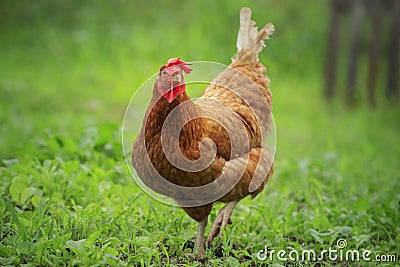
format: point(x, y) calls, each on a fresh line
point(68, 67)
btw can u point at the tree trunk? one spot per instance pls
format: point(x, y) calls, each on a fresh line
point(373, 65)
point(356, 19)
point(332, 52)
point(392, 89)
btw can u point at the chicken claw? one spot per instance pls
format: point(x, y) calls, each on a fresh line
point(223, 218)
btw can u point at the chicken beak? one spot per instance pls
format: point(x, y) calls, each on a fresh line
point(176, 78)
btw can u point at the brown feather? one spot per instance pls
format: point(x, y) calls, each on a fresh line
point(239, 98)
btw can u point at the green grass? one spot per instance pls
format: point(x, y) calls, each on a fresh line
point(67, 73)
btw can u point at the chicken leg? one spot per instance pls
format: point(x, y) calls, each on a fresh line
point(223, 218)
point(199, 245)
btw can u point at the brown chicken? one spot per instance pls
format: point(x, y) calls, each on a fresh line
point(212, 149)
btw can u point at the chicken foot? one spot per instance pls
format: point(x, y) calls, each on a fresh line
point(199, 245)
point(223, 218)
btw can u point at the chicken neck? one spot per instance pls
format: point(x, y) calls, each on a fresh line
point(183, 110)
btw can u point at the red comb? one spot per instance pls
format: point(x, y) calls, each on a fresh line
point(178, 62)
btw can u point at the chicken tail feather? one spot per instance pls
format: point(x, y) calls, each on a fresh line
point(249, 38)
